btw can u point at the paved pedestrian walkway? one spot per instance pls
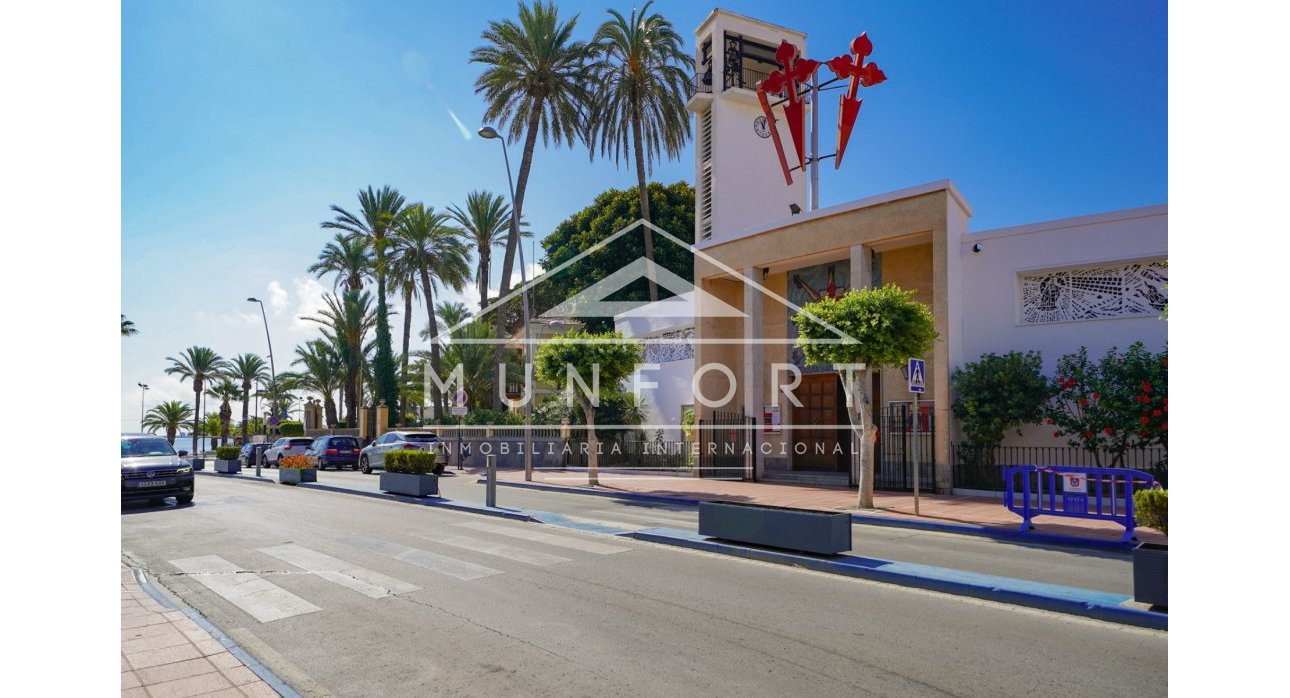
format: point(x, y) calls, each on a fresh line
point(164, 654)
point(951, 509)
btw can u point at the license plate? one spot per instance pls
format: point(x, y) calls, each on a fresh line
point(152, 483)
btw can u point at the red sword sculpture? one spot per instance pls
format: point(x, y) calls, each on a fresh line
point(786, 82)
point(860, 74)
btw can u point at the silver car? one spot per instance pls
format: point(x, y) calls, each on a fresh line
point(286, 446)
point(373, 456)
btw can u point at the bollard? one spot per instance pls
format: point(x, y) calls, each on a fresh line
point(490, 488)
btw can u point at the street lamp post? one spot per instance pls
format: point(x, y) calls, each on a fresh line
point(273, 374)
point(141, 394)
point(490, 133)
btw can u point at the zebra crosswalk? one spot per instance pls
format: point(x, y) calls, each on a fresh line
point(245, 582)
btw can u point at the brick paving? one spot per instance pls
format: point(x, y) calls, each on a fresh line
point(164, 654)
point(950, 509)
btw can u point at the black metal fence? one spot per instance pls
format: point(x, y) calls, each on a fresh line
point(895, 451)
point(629, 452)
point(982, 469)
point(726, 444)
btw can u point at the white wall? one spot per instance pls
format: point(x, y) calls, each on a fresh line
point(991, 298)
point(663, 403)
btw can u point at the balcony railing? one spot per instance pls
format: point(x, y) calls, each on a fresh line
point(702, 82)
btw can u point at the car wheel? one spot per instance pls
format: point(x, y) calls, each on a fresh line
point(184, 499)
point(367, 468)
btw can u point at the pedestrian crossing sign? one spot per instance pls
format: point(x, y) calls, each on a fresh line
point(917, 376)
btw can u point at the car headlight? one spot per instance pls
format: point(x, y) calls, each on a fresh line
point(184, 470)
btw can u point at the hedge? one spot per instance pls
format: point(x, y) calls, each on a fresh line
point(408, 461)
point(291, 427)
point(227, 452)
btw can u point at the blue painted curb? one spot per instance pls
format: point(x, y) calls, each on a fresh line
point(867, 519)
point(1051, 597)
point(265, 673)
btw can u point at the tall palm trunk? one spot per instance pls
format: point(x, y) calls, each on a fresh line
point(407, 338)
point(485, 261)
point(513, 238)
point(643, 189)
point(428, 290)
point(197, 410)
point(225, 416)
point(246, 405)
point(329, 409)
point(170, 434)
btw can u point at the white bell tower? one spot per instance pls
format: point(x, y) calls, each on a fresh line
point(738, 181)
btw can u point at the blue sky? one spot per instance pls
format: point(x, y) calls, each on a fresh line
point(242, 122)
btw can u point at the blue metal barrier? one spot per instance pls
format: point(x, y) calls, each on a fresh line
point(1069, 491)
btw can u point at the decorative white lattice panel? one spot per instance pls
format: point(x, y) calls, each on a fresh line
point(670, 346)
point(1094, 292)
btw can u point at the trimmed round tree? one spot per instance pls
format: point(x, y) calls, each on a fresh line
point(996, 394)
point(864, 330)
point(583, 362)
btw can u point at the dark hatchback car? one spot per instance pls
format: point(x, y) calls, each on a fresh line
point(335, 452)
point(251, 453)
point(152, 471)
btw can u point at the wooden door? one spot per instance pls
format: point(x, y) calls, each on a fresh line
point(818, 444)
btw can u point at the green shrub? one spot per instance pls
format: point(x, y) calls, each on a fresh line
point(412, 462)
point(227, 452)
point(291, 427)
point(1151, 508)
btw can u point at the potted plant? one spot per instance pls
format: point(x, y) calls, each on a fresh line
point(226, 460)
point(1151, 560)
point(293, 470)
point(413, 473)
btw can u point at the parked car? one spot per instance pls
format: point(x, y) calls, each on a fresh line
point(286, 446)
point(151, 470)
point(335, 452)
point(373, 456)
point(251, 453)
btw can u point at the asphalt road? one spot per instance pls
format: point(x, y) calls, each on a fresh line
point(349, 595)
point(1103, 570)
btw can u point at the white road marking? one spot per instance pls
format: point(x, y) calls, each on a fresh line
point(647, 516)
point(510, 552)
point(263, 600)
point(442, 564)
point(364, 581)
point(519, 531)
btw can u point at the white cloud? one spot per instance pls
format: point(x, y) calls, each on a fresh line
point(277, 298)
point(309, 301)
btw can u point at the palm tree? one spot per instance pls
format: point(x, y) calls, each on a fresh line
point(128, 328)
point(323, 373)
point(198, 364)
point(486, 220)
point(643, 76)
point(439, 256)
point(349, 257)
point(247, 369)
point(534, 81)
point(169, 416)
point(404, 274)
point(346, 321)
point(479, 370)
point(225, 390)
point(451, 314)
point(378, 213)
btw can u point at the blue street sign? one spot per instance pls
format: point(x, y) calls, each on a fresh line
point(917, 376)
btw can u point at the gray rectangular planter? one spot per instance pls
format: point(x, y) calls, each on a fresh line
point(198, 463)
point(228, 466)
point(409, 484)
point(295, 476)
point(819, 532)
point(1151, 574)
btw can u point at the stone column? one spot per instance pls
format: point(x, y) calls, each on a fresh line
point(754, 378)
point(382, 418)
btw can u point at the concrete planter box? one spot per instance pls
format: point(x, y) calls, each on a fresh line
point(1151, 574)
point(227, 466)
point(295, 476)
point(198, 463)
point(410, 484)
point(819, 532)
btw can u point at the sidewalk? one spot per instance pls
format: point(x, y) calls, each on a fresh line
point(987, 512)
point(165, 653)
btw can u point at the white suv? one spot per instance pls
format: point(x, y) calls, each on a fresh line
point(286, 446)
point(373, 456)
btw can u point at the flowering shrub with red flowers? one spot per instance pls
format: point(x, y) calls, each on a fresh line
point(1114, 404)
